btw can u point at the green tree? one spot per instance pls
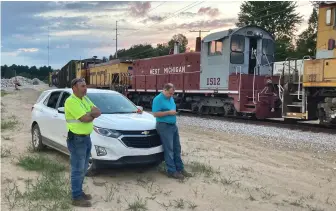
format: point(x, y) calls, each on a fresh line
point(181, 39)
point(278, 18)
point(306, 43)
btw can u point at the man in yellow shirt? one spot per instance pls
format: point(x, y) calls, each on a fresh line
point(79, 114)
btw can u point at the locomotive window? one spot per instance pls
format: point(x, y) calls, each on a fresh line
point(238, 43)
point(215, 47)
point(328, 17)
point(267, 47)
point(237, 58)
point(267, 52)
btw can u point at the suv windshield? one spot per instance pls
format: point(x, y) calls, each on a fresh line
point(110, 103)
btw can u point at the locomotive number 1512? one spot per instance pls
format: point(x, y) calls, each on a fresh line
point(213, 81)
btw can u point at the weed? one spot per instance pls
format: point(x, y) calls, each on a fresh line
point(9, 124)
point(311, 208)
point(267, 194)
point(40, 163)
point(12, 195)
point(6, 138)
point(202, 168)
point(192, 205)
point(110, 192)
point(298, 202)
point(179, 204)
point(52, 188)
point(138, 205)
point(227, 181)
point(5, 152)
point(251, 197)
point(3, 93)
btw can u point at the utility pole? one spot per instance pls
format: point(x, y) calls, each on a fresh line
point(116, 39)
point(48, 47)
point(199, 31)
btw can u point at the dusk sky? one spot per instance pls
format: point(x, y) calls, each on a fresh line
point(85, 29)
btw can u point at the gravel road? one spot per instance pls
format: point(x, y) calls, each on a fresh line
point(277, 136)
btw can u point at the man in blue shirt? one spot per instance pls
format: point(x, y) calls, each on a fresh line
point(164, 109)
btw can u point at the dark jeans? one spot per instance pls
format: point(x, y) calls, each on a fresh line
point(80, 148)
point(171, 145)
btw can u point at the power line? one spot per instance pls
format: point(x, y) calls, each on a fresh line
point(256, 18)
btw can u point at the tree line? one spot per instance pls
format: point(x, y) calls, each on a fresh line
point(42, 73)
point(279, 18)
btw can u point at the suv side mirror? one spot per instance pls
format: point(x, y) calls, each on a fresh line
point(140, 109)
point(60, 110)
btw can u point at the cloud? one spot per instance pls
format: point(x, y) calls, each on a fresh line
point(154, 18)
point(27, 50)
point(211, 12)
point(140, 9)
point(204, 24)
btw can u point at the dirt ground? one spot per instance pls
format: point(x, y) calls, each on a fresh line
point(231, 172)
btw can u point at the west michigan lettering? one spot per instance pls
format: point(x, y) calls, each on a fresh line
point(178, 69)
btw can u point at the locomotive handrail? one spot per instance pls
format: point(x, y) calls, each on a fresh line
point(254, 75)
point(299, 85)
point(239, 81)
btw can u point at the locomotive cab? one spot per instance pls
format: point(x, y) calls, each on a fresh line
point(241, 61)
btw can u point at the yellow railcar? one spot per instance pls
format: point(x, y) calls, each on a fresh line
point(311, 92)
point(110, 74)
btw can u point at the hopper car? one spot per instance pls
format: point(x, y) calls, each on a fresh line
point(309, 90)
point(230, 74)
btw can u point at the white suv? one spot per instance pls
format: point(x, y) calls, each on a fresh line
point(122, 134)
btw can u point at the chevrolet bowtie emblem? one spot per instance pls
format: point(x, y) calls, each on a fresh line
point(145, 132)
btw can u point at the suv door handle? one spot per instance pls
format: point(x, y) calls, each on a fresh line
point(55, 115)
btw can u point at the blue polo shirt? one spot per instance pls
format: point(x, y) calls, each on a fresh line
point(162, 103)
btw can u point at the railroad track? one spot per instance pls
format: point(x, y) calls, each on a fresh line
point(301, 126)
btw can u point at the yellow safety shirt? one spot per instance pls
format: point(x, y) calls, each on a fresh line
point(74, 109)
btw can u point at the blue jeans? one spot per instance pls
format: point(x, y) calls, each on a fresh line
point(79, 148)
point(170, 139)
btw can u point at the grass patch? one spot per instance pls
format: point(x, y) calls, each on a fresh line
point(202, 168)
point(3, 93)
point(5, 152)
point(40, 163)
point(9, 124)
point(49, 192)
point(138, 205)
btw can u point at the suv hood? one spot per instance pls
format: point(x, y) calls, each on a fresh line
point(131, 121)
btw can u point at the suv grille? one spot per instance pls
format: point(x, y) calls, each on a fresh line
point(142, 141)
point(137, 132)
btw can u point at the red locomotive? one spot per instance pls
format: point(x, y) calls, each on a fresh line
point(231, 75)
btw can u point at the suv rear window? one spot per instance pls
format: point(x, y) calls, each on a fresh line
point(43, 94)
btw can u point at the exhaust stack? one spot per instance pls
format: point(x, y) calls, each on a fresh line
point(198, 44)
point(176, 48)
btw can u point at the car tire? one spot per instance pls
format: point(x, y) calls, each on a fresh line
point(37, 139)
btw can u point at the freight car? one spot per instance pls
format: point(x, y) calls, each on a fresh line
point(310, 92)
point(231, 75)
point(114, 74)
point(73, 69)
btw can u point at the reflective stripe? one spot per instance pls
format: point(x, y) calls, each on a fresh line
point(73, 121)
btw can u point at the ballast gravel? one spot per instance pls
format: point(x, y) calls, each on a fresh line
point(277, 136)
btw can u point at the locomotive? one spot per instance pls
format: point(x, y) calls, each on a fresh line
point(229, 74)
point(309, 91)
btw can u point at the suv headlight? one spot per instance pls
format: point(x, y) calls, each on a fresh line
point(106, 132)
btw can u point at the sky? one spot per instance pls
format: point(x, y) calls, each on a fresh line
point(82, 29)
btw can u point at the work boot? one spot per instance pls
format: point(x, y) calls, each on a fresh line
point(185, 173)
point(86, 196)
point(176, 175)
point(81, 202)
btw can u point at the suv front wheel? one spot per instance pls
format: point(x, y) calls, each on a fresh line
point(37, 138)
